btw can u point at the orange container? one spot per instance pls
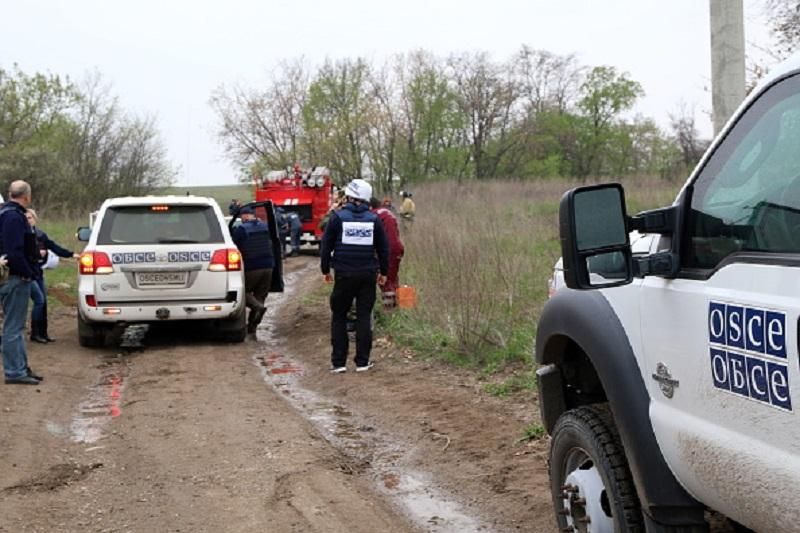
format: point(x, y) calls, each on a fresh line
point(406, 297)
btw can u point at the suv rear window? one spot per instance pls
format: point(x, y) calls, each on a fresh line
point(171, 224)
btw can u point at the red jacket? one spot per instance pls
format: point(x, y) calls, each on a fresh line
point(389, 221)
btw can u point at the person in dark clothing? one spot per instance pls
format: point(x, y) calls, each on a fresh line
point(283, 228)
point(295, 228)
point(254, 242)
point(233, 207)
point(38, 288)
point(289, 225)
point(18, 243)
point(355, 246)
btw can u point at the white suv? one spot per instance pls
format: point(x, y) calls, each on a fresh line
point(669, 380)
point(159, 258)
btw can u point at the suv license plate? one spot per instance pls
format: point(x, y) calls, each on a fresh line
point(161, 278)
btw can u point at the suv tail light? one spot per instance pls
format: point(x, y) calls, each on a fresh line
point(95, 263)
point(225, 260)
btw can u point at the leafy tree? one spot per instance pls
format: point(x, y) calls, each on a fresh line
point(432, 123)
point(335, 117)
point(74, 144)
point(605, 94)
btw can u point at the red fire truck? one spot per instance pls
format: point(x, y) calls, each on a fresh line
point(309, 193)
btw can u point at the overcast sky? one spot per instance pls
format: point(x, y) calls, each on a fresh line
point(166, 57)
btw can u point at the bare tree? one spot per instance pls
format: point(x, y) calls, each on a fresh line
point(686, 135)
point(784, 21)
point(263, 128)
point(486, 97)
point(546, 81)
point(384, 127)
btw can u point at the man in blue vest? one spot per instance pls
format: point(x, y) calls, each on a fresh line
point(354, 245)
point(18, 243)
point(253, 240)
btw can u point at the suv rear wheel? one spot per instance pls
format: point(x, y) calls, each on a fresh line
point(90, 335)
point(234, 329)
point(589, 476)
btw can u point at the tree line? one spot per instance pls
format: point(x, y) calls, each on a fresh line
point(465, 116)
point(74, 143)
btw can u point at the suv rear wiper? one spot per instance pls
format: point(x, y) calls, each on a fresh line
point(176, 241)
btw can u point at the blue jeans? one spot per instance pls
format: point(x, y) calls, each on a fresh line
point(39, 299)
point(296, 239)
point(14, 295)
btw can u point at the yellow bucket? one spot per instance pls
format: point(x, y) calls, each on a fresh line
point(406, 297)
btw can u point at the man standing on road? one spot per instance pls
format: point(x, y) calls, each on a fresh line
point(355, 245)
point(396, 251)
point(254, 242)
point(18, 243)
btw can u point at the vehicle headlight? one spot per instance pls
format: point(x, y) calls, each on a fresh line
point(320, 181)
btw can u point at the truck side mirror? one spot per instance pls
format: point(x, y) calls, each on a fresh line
point(595, 246)
point(83, 234)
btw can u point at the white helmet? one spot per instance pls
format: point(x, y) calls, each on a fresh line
point(359, 190)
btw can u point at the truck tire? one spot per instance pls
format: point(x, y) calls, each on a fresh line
point(589, 475)
point(90, 335)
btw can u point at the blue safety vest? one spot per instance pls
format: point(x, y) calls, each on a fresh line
point(354, 250)
point(257, 246)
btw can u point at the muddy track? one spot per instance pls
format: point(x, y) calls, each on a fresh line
point(193, 435)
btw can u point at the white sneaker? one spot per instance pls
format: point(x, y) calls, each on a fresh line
point(365, 367)
point(339, 369)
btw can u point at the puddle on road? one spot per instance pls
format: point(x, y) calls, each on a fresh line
point(101, 404)
point(428, 507)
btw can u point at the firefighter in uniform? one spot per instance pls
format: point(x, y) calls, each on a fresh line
point(355, 246)
point(253, 240)
point(396, 252)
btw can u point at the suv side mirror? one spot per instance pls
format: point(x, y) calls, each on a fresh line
point(595, 246)
point(83, 234)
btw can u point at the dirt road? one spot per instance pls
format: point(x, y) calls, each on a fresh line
point(193, 435)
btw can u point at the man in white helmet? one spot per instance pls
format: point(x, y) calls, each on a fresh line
point(355, 246)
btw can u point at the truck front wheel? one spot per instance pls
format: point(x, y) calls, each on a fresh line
point(590, 480)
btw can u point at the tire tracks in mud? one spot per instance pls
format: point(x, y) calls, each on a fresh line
point(378, 454)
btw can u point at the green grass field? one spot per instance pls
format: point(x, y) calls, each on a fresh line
point(479, 255)
point(221, 193)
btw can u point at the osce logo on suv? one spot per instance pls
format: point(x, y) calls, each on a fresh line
point(748, 352)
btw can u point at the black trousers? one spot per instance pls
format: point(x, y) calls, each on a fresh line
point(348, 286)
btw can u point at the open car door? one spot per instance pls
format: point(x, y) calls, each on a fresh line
point(265, 211)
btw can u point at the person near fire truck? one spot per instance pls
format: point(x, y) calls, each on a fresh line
point(396, 251)
point(407, 209)
point(295, 228)
point(254, 242)
point(355, 246)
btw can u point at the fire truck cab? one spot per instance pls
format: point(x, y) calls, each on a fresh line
point(309, 193)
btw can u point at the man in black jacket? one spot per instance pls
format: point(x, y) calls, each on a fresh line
point(18, 243)
point(355, 245)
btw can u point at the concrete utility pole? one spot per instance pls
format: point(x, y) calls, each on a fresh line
point(727, 59)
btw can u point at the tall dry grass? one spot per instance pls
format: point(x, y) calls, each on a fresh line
point(480, 255)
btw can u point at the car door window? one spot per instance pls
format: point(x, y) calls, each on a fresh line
point(747, 197)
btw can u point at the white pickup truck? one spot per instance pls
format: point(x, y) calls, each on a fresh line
point(670, 378)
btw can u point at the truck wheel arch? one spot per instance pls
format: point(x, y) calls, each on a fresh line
point(580, 336)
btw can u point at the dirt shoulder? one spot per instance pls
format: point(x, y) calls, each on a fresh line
point(439, 416)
